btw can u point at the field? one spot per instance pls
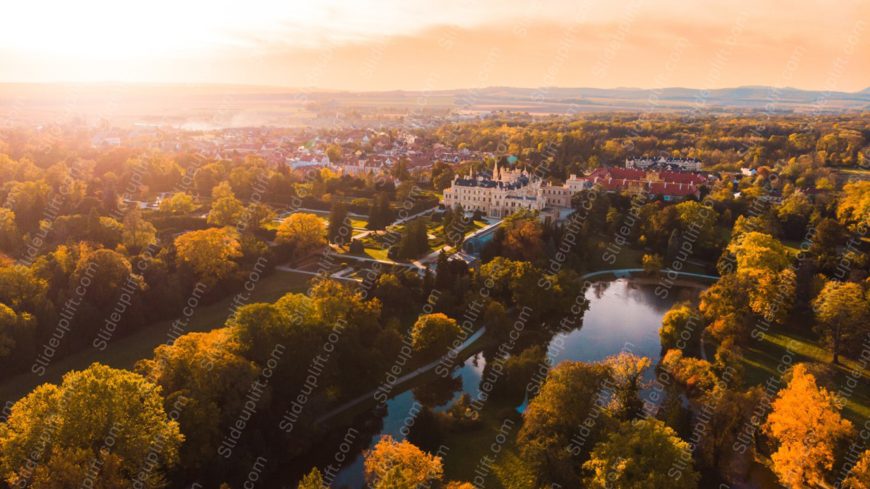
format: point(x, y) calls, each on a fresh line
point(125, 352)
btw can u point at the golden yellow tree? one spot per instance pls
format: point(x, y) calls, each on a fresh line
point(806, 426)
point(209, 252)
point(303, 232)
point(854, 207)
point(394, 465)
point(859, 476)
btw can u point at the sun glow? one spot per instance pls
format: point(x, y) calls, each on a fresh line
point(370, 44)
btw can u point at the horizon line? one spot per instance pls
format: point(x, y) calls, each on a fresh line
point(170, 84)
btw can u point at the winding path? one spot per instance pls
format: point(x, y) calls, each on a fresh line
point(627, 272)
point(451, 356)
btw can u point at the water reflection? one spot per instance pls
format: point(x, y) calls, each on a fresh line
point(623, 315)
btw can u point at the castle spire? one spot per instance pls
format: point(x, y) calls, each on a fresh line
point(495, 175)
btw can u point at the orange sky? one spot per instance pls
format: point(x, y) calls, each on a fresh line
point(422, 45)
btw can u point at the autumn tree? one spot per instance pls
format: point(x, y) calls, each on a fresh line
point(626, 370)
point(696, 374)
point(312, 480)
point(10, 236)
point(433, 334)
point(17, 332)
point(207, 177)
point(204, 369)
point(90, 406)
point(304, 233)
point(226, 209)
point(209, 252)
point(400, 465)
point(641, 454)
point(724, 446)
point(178, 203)
point(523, 238)
point(572, 397)
point(138, 233)
point(681, 327)
point(843, 314)
point(763, 281)
point(853, 209)
point(255, 216)
point(805, 425)
point(700, 220)
point(758, 250)
point(859, 476)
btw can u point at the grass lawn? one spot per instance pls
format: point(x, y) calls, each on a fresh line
point(377, 253)
point(762, 358)
point(125, 352)
point(627, 258)
point(467, 447)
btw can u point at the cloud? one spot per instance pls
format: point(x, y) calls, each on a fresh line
point(392, 44)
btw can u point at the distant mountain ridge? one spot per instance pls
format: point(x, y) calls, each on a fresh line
point(744, 97)
point(246, 105)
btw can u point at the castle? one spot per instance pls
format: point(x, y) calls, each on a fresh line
point(506, 192)
point(511, 190)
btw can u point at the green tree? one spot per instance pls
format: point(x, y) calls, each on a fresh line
point(843, 315)
point(10, 236)
point(679, 324)
point(415, 239)
point(572, 397)
point(138, 233)
point(88, 407)
point(226, 209)
point(16, 333)
point(641, 454)
point(380, 214)
point(698, 218)
point(433, 334)
point(205, 369)
point(339, 230)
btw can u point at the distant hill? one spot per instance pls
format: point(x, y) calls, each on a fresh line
point(205, 106)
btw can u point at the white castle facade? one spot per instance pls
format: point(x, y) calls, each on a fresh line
point(508, 191)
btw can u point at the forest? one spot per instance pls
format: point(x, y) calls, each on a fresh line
point(99, 244)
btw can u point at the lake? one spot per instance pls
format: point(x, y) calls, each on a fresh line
point(624, 314)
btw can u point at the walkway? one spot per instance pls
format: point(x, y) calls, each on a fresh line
point(627, 272)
